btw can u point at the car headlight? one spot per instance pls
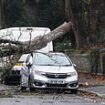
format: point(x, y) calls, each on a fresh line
point(72, 74)
point(39, 73)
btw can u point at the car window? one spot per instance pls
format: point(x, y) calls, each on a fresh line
point(61, 59)
point(51, 59)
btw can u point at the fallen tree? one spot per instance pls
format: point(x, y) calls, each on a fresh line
point(10, 47)
point(39, 42)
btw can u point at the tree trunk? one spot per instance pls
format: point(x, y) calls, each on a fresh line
point(75, 28)
point(2, 13)
point(92, 22)
point(0, 16)
point(37, 43)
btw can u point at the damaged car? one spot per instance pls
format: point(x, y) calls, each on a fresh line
point(49, 70)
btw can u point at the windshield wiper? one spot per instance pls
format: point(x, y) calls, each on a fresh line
point(49, 64)
point(45, 64)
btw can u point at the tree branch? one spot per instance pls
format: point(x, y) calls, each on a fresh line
point(37, 43)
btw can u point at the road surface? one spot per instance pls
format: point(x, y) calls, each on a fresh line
point(11, 95)
point(28, 98)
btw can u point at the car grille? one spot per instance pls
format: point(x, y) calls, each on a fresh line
point(56, 75)
point(56, 85)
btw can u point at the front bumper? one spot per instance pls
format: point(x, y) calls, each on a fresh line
point(43, 82)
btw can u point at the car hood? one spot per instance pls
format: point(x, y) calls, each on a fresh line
point(54, 69)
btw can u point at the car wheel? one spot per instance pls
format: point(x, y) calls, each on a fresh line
point(23, 88)
point(32, 89)
point(6, 80)
point(74, 91)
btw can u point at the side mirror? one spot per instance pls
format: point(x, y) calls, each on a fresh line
point(74, 65)
point(30, 62)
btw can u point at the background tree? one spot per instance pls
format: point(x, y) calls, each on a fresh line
point(87, 16)
point(2, 21)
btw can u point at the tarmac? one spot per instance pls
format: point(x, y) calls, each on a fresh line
point(92, 83)
point(88, 83)
point(98, 90)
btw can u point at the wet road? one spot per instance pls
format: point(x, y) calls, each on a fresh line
point(49, 99)
point(13, 96)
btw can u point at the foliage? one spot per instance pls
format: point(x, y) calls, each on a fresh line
point(63, 46)
point(89, 16)
point(30, 13)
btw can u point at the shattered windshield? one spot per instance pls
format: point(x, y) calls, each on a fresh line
point(50, 60)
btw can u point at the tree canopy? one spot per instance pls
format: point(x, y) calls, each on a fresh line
point(87, 16)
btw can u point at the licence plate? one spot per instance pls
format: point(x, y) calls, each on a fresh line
point(19, 64)
point(56, 81)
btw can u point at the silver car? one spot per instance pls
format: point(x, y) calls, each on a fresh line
point(50, 70)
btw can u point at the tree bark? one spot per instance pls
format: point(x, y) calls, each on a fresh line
point(2, 2)
point(0, 16)
point(75, 28)
point(92, 22)
point(37, 43)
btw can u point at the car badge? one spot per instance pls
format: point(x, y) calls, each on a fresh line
point(56, 75)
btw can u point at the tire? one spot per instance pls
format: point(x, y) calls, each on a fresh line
point(74, 91)
point(30, 86)
point(32, 89)
point(6, 80)
point(23, 88)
